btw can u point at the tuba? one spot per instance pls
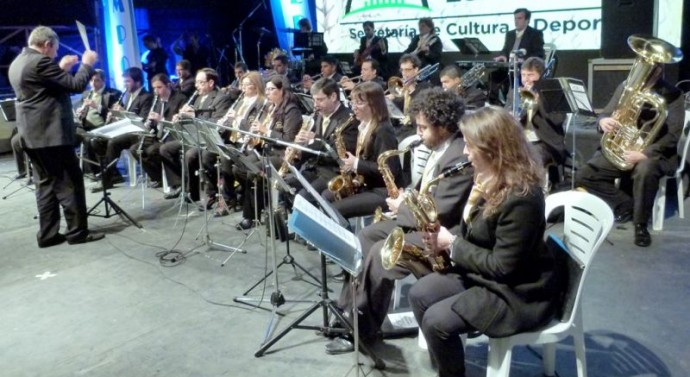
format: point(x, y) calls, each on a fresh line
point(637, 92)
point(420, 261)
point(343, 185)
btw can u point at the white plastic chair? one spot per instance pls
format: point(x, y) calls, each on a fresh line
point(588, 221)
point(659, 209)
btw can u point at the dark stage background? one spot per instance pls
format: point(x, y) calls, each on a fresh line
point(215, 20)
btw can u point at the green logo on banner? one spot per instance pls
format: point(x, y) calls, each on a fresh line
point(369, 5)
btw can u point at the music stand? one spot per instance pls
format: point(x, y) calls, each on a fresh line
point(470, 46)
point(187, 135)
point(9, 112)
point(565, 95)
point(327, 231)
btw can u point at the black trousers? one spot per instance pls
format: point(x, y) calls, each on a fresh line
point(432, 298)
point(598, 175)
point(59, 183)
point(249, 180)
point(361, 204)
point(170, 153)
point(376, 284)
point(18, 151)
point(150, 158)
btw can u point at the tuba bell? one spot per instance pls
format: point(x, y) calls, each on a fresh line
point(636, 93)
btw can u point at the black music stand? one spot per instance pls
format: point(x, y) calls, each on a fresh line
point(183, 130)
point(566, 95)
point(471, 46)
point(9, 114)
point(320, 228)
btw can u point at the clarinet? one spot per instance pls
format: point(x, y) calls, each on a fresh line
point(192, 98)
point(149, 121)
point(109, 117)
point(250, 140)
point(82, 111)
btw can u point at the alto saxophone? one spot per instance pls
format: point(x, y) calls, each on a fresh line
point(292, 154)
point(420, 261)
point(388, 179)
point(343, 185)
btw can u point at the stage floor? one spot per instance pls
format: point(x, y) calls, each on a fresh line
point(110, 308)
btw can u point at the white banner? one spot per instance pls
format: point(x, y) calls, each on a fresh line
point(120, 38)
point(570, 25)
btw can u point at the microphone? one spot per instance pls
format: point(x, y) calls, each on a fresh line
point(263, 30)
point(520, 53)
point(459, 168)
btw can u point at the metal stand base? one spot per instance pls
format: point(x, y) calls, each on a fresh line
point(116, 209)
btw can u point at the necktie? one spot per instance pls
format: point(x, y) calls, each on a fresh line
point(324, 125)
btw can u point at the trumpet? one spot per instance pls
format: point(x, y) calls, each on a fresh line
point(398, 84)
point(300, 85)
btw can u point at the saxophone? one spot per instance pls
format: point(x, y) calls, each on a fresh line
point(343, 185)
point(628, 137)
point(420, 261)
point(291, 155)
point(388, 179)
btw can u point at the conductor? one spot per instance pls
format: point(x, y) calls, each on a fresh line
point(46, 126)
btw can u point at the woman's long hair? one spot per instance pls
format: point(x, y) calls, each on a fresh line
point(283, 84)
point(255, 78)
point(372, 94)
point(515, 166)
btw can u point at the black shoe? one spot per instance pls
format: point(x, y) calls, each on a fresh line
point(210, 202)
point(173, 194)
point(623, 217)
point(245, 224)
point(20, 176)
point(53, 241)
point(642, 237)
point(92, 236)
point(339, 346)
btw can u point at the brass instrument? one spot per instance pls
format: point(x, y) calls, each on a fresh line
point(528, 105)
point(471, 77)
point(292, 154)
point(271, 55)
point(637, 92)
point(388, 179)
point(422, 206)
point(343, 185)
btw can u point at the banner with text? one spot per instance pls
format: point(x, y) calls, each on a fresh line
point(569, 25)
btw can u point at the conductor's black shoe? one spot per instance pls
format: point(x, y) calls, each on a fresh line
point(92, 236)
point(173, 194)
point(52, 242)
point(245, 224)
point(339, 346)
point(642, 237)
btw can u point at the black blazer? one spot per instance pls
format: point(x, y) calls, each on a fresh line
point(287, 122)
point(506, 266)
point(532, 41)
point(430, 57)
point(185, 87)
point(376, 50)
point(141, 105)
point(329, 167)
point(43, 105)
point(450, 194)
point(382, 139)
point(214, 106)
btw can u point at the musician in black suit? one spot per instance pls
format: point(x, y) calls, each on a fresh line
point(209, 104)
point(522, 37)
point(502, 279)
point(329, 70)
point(409, 69)
point(136, 100)
point(167, 104)
point(156, 60)
point(452, 80)
point(545, 131)
point(375, 136)
point(185, 80)
point(438, 114)
point(371, 46)
point(331, 114)
point(46, 127)
point(426, 45)
point(369, 71)
point(282, 120)
point(633, 198)
point(96, 102)
point(280, 65)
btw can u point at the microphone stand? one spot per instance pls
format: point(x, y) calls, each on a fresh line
point(516, 82)
point(240, 27)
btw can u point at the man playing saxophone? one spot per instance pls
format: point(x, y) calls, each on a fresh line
point(438, 114)
point(634, 198)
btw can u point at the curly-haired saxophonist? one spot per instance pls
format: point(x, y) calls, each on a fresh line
point(438, 114)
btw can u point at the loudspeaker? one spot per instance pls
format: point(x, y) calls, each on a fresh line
point(604, 76)
point(619, 20)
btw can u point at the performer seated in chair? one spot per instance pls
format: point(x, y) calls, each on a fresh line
point(185, 80)
point(281, 119)
point(403, 95)
point(364, 187)
point(370, 71)
point(329, 70)
point(135, 100)
point(544, 130)
point(240, 116)
point(167, 105)
point(333, 120)
point(452, 80)
point(438, 114)
point(658, 159)
point(501, 279)
point(209, 104)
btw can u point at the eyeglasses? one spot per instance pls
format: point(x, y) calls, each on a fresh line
point(359, 104)
point(270, 89)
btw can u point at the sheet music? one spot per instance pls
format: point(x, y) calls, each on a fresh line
point(580, 95)
point(393, 110)
point(83, 35)
point(327, 235)
point(121, 127)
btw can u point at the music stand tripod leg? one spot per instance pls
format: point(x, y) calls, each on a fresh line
point(109, 203)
